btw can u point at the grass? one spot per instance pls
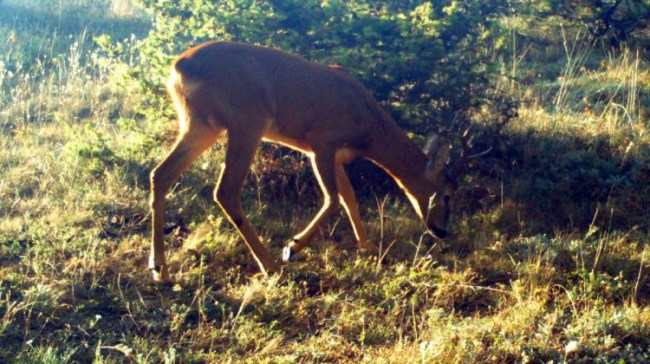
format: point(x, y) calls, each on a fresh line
point(548, 262)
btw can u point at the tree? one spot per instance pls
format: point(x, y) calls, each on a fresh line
point(615, 20)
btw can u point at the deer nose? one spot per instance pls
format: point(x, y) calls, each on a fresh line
point(438, 233)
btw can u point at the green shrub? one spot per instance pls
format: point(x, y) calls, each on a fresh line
point(424, 60)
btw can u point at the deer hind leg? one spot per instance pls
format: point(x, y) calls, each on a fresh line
point(349, 202)
point(324, 168)
point(189, 145)
point(242, 145)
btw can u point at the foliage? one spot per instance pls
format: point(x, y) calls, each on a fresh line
point(617, 20)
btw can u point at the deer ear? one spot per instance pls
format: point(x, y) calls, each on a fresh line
point(437, 151)
point(432, 146)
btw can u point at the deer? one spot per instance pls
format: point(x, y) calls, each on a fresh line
point(252, 94)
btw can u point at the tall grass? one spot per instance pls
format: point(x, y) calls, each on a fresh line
point(49, 62)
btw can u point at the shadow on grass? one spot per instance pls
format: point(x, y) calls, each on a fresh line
point(566, 182)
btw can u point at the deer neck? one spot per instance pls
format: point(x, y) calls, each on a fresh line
point(403, 160)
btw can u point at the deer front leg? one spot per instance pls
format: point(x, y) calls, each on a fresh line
point(188, 147)
point(239, 155)
point(324, 169)
point(349, 202)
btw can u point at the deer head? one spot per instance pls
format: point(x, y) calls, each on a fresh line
point(442, 172)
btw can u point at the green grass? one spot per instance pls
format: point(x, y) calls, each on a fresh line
point(548, 261)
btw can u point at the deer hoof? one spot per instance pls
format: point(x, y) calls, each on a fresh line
point(287, 252)
point(160, 273)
